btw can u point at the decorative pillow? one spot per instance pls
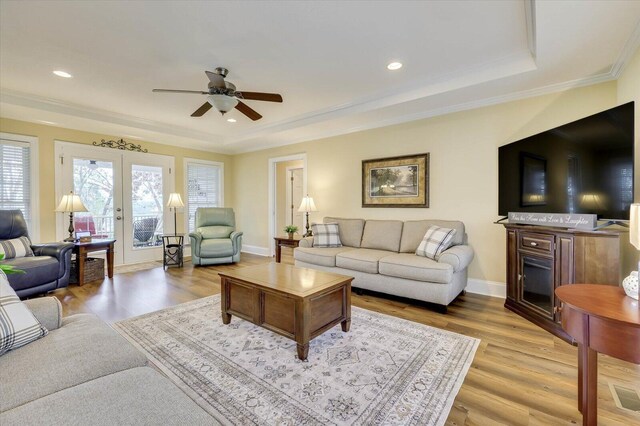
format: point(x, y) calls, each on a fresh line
point(18, 247)
point(18, 326)
point(326, 235)
point(435, 241)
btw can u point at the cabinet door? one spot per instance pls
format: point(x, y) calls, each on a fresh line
point(537, 275)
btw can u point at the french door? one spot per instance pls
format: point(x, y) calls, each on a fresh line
point(125, 194)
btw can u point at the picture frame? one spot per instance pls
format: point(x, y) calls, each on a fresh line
point(396, 181)
point(533, 180)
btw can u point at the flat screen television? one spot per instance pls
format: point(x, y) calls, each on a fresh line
point(585, 166)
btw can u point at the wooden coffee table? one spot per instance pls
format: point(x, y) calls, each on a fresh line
point(298, 303)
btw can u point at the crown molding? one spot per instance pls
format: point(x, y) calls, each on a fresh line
point(626, 54)
point(61, 107)
point(530, 19)
point(507, 66)
point(524, 94)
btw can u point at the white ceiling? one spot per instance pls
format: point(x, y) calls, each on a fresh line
point(327, 59)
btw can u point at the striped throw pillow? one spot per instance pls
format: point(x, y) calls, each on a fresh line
point(326, 235)
point(17, 247)
point(18, 326)
point(435, 241)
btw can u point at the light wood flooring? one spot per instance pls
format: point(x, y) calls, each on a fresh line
point(521, 374)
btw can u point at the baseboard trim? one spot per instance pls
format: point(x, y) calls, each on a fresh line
point(487, 288)
point(260, 251)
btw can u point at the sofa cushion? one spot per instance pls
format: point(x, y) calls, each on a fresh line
point(18, 326)
point(216, 248)
point(413, 231)
point(139, 396)
point(38, 270)
point(350, 230)
point(363, 260)
point(215, 231)
point(323, 256)
point(417, 268)
point(326, 235)
point(83, 349)
point(16, 247)
point(435, 241)
point(382, 235)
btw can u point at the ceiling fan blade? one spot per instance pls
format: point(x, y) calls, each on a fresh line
point(200, 111)
point(248, 111)
point(258, 96)
point(216, 79)
point(180, 91)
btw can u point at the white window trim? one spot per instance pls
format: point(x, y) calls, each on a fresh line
point(185, 163)
point(34, 232)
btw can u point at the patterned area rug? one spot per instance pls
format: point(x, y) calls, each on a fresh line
point(385, 371)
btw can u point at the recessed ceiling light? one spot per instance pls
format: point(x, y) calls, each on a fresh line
point(231, 120)
point(394, 66)
point(61, 73)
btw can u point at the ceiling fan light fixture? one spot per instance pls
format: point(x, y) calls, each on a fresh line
point(222, 103)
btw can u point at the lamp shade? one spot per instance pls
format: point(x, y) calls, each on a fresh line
point(71, 203)
point(222, 103)
point(307, 205)
point(634, 225)
point(175, 200)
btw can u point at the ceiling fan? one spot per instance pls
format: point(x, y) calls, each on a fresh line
point(224, 97)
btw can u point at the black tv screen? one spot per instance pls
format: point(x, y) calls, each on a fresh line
point(585, 166)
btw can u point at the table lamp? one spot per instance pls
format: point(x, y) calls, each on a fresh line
point(175, 201)
point(71, 203)
point(630, 284)
point(307, 205)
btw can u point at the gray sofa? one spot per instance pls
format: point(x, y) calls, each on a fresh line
point(380, 255)
point(84, 373)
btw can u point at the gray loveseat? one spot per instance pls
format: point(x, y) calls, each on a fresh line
point(84, 373)
point(380, 255)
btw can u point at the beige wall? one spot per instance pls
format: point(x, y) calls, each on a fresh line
point(463, 176)
point(283, 215)
point(48, 134)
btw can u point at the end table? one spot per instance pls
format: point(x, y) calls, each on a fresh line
point(172, 250)
point(286, 242)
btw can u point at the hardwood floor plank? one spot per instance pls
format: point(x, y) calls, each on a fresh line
point(521, 375)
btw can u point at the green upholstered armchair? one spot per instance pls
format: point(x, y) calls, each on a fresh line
point(216, 239)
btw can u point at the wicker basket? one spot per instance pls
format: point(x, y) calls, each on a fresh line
point(93, 270)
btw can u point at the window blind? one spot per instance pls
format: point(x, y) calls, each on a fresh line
point(15, 177)
point(203, 188)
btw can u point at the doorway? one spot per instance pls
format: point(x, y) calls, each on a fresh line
point(124, 193)
point(287, 186)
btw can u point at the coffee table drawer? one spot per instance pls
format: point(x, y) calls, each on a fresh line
point(278, 314)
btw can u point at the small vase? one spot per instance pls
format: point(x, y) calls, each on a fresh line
point(290, 234)
point(630, 285)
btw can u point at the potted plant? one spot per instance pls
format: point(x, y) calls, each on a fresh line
point(8, 269)
point(290, 230)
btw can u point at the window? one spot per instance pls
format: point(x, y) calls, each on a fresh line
point(204, 187)
point(18, 178)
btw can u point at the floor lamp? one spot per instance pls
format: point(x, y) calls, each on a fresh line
point(175, 201)
point(307, 206)
point(71, 203)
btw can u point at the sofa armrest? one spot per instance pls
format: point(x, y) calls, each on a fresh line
point(459, 257)
point(61, 251)
point(236, 240)
point(57, 250)
point(47, 310)
point(196, 239)
point(306, 242)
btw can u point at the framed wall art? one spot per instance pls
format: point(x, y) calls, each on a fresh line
point(396, 181)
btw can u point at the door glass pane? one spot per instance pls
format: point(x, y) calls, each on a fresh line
point(537, 287)
point(148, 205)
point(93, 182)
